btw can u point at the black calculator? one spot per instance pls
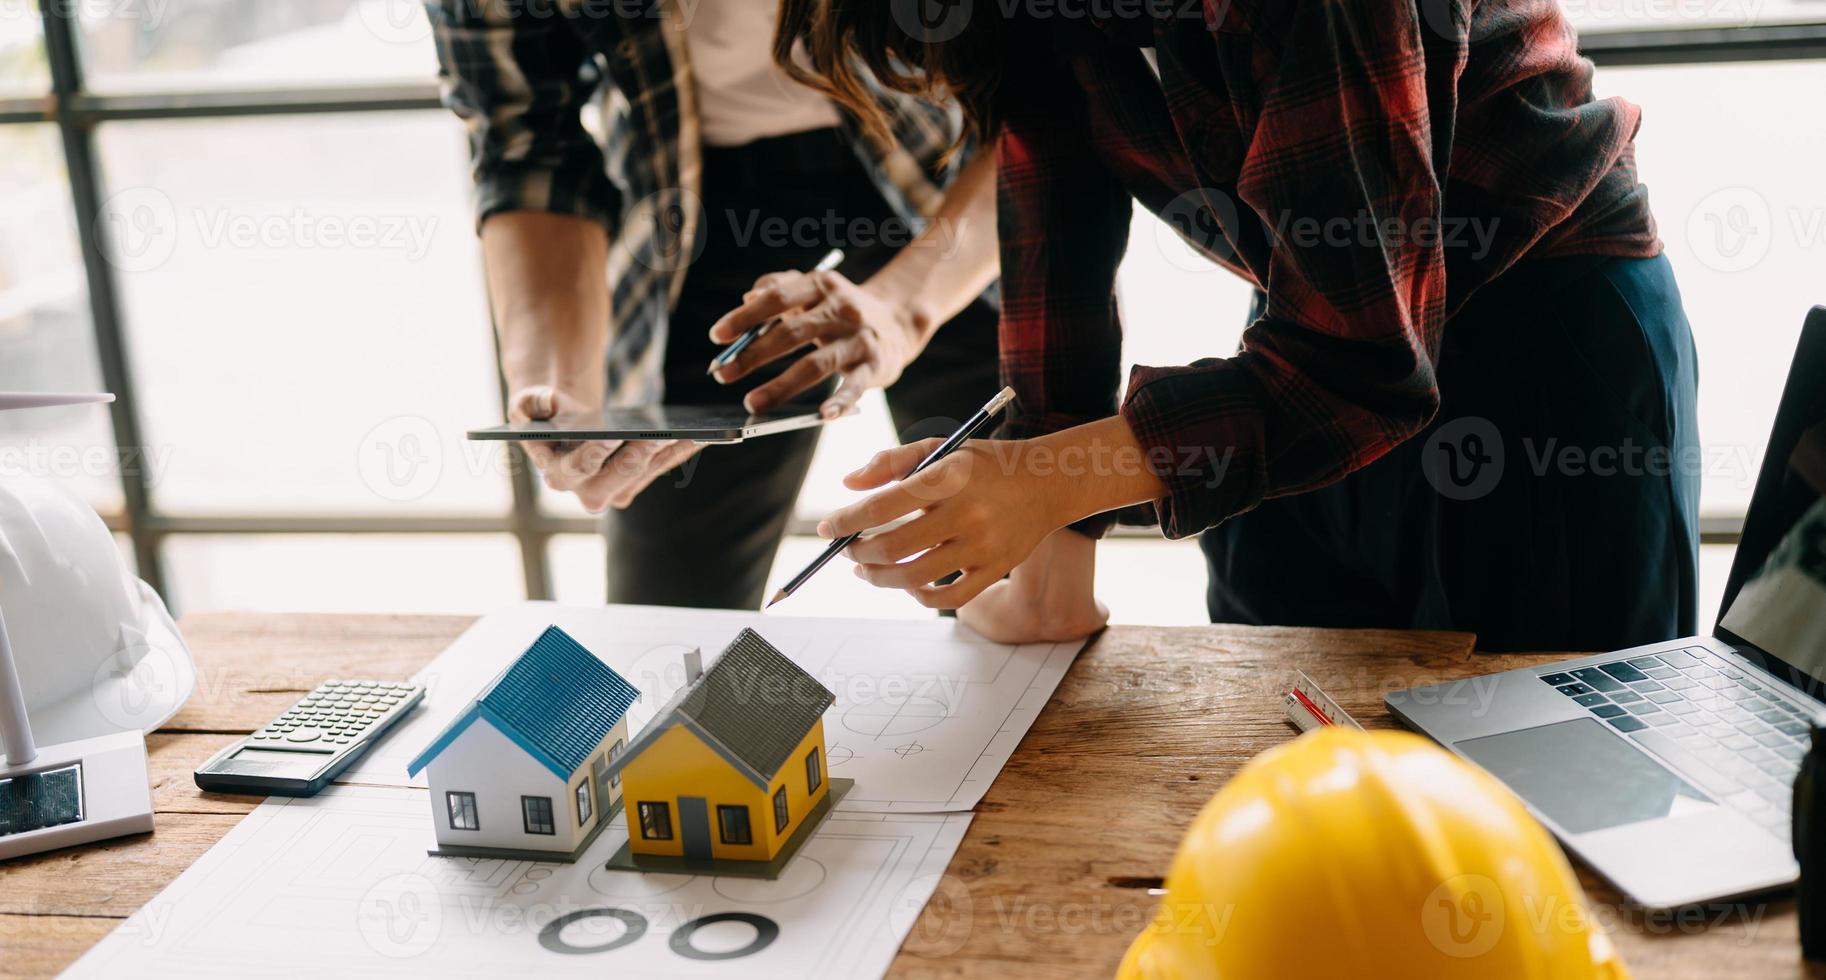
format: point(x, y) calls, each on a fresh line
point(299, 752)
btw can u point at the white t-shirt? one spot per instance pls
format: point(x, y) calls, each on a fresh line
point(742, 96)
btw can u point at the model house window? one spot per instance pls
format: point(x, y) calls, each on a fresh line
point(614, 750)
point(733, 822)
point(780, 817)
point(583, 803)
point(655, 821)
point(462, 811)
point(538, 813)
point(813, 775)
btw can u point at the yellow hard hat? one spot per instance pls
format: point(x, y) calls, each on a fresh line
point(1369, 854)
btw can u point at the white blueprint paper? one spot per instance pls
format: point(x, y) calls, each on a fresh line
point(341, 886)
point(927, 711)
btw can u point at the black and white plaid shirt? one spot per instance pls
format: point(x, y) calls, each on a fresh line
point(520, 74)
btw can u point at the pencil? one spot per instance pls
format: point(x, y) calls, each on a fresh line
point(832, 259)
point(965, 432)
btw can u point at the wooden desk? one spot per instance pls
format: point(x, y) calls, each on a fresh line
point(1052, 879)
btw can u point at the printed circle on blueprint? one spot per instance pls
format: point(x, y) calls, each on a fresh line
point(895, 716)
point(803, 875)
point(630, 884)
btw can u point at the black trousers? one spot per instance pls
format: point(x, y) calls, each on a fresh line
point(705, 535)
point(1551, 505)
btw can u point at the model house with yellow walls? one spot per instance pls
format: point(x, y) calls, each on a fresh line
point(729, 776)
point(524, 771)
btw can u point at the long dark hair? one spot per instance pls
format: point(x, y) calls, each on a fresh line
point(842, 39)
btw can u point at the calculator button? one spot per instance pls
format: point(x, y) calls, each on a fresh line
point(305, 735)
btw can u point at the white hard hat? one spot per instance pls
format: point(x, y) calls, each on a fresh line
point(97, 651)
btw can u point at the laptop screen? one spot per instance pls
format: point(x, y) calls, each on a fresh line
point(1775, 601)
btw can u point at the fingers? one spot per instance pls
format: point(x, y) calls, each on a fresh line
point(802, 376)
point(535, 403)
point(954, 594)
point(890, 464)
point(663, 462)
point(786, 336)
point(874, 511)
point(569, 470)
point(924, 570)
point(850, 389)
point(625, 467)
point(890, 546)
point(771, 296)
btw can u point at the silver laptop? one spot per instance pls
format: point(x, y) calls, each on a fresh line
point(1669, 768)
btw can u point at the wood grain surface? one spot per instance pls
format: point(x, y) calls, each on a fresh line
point(1052, 879)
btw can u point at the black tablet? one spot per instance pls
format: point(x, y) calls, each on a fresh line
point(698, 423)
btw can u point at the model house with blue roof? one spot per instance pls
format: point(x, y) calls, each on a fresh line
point(524, 770)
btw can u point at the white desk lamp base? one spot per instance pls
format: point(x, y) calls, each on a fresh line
point(109, 774)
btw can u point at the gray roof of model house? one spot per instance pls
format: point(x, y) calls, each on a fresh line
point(753, 706)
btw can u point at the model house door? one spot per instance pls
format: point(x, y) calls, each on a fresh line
point(694, 827)
point(599, 774)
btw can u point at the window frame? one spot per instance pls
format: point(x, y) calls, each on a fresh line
point(610, 757)
point(528, 806)
point(470, 810)
point(782, 811)
point(724, 813)
point(586, 805)
point(814, 772)
point(654, 813)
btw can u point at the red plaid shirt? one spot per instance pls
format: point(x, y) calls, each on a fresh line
point(1367, 163)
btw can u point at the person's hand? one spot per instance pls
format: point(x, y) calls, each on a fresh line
point(861, 338)
point(982, 510)
point(1049, 598)
point(602, 473)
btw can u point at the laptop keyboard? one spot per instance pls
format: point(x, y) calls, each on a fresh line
point(1722, 729)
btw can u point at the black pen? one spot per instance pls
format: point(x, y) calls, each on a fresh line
point(958, 438)
point(832, 259)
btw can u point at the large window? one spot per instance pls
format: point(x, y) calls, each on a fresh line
point(655, 821)
point(462, 809)
point(732, 824)
point(537, 811)
point(251, 222)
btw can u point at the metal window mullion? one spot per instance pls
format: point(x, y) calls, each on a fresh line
point(104, 303)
